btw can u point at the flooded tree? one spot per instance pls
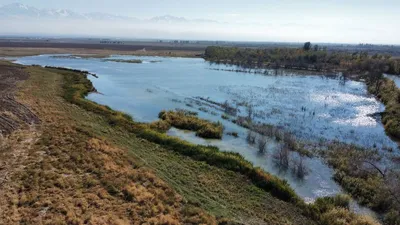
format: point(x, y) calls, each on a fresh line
point(281, 156)
point(299, 167)
point(228, 109)
point(249, 112)
point(262, 144)
point(251, 137)
point(289, 140)
point(278, 135)
point(268, 130)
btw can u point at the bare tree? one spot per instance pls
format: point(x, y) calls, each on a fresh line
point(262, 144)
point(251, 137)
point(289, 140)
point(228, 109)
point(278, 135)
point(249, 112)
point(371, 163)
point(281, 156)
point(299, 167)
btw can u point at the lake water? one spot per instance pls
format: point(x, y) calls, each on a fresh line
point(395, 78)
point(314, 108)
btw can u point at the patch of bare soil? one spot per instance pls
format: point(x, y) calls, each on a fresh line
point(12, 113)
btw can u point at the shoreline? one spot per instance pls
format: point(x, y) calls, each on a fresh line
point(75, 92)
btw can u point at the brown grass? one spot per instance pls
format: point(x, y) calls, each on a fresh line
point(99, 53)
point(72, 177)
point(186, 120)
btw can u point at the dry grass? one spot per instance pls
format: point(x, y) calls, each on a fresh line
point(341, 216)
point(100, 53)
point(72, 177)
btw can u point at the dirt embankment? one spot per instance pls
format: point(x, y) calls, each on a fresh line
point(12, 113)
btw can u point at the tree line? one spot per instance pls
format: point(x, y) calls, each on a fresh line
point(309, 57)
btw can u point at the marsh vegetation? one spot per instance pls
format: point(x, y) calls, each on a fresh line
point(188, 120)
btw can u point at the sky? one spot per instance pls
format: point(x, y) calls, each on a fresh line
point(347, 21)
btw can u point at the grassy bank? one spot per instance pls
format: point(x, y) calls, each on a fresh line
point(214, 188)
point(387, 91)
point(189, 121)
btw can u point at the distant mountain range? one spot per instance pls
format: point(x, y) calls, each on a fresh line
point(21, 11)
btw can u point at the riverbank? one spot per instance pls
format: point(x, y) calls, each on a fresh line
point(92, 133)
point(95, 52)
point(386, 90)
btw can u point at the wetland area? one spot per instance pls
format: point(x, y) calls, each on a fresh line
point(314, 108)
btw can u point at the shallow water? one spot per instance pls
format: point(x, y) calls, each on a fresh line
point(313, 107)
point(333, 109)
point(395, 78)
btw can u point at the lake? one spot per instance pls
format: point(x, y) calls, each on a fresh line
point(314, 108)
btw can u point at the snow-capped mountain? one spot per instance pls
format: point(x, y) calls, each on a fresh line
point(17, 10)
point(106, 16)
point(168, 19)
point(21, 11)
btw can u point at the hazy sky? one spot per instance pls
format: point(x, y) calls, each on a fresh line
point(353, 21)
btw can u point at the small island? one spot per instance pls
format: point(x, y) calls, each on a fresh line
point(123, 60)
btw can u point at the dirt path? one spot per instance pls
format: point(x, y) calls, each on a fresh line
point(12, 113)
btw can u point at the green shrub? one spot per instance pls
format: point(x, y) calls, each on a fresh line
point(328, 203)
point(188, 121)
